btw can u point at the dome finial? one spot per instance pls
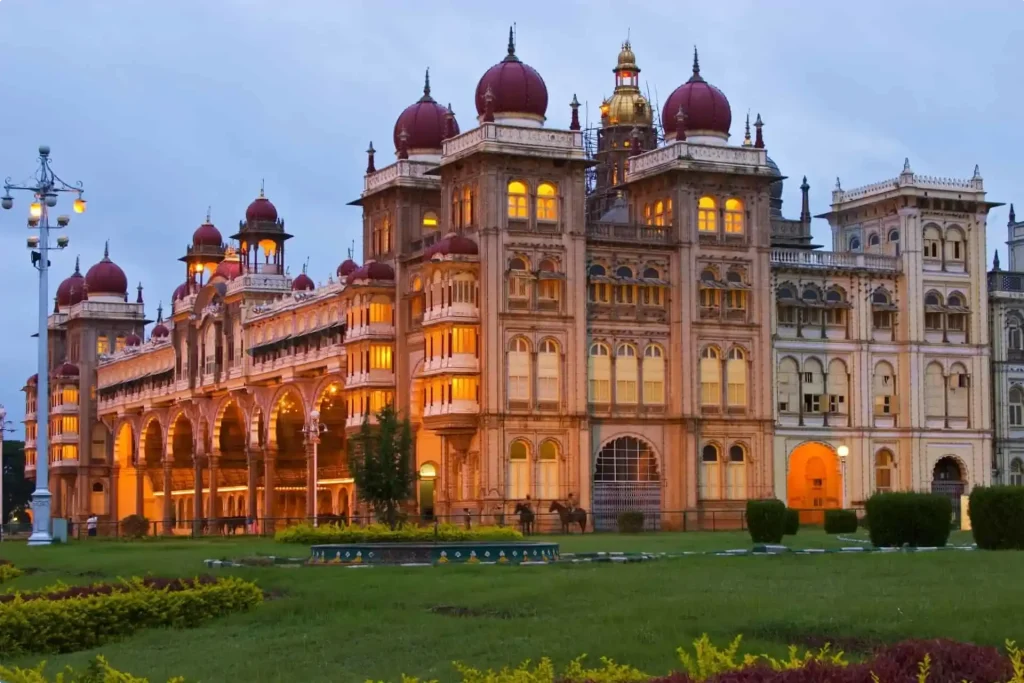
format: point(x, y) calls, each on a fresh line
point(995, 261)
point(138, 299)
point(370, 151)
point(759, 137)
point(746, 132)
point(1013, 219)
point(262, 187)
point(696, 67)
point(208, 209)
point(160, 312)
point(511, 56)
point(106, 250)
point(426, 84)
point(79, 272)
point(574, 122)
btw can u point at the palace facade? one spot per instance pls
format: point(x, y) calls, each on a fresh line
point(620, 316)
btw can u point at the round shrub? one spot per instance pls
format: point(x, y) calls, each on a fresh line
point(915, 519)
point(997, 517)
point(631, 522)
point(840, 521)
point(134, 526)
point(792, 522)
point(766, 520)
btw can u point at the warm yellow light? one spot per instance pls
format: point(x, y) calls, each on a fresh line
point(843, 451)
point(269, 247)
point(35, 210)
point(79, 205)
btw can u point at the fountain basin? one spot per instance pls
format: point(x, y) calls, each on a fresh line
point(472, 552)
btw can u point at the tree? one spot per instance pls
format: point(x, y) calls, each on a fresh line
point(382, 464)
point(17, 489)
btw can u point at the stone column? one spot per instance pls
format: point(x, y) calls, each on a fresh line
point(252, 462)
point(197, 495)
point(168, 502)
point(140, 489)
point(310, 479)
point(214, 461)
point(269, 476)
point(115, 474)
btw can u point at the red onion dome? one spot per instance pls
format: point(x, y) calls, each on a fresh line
point(182, 291)
point(228, 269)
point(706, 107)
point(72, 289)
point(106, 277)
point(453, 245)
point(160, 331)
point(66, 370)
point(516, 87)
point(207, 235)
point(303, 283)
point(261, 210)
point(424, 123)
point(347, 267)
point(133, 340)
point(373, 270)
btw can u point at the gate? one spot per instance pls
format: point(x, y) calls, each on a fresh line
point(626, 479)
point(948, 480)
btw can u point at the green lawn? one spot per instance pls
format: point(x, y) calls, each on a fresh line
point(336, 624)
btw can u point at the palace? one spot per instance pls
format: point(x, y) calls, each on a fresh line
point(620, 316)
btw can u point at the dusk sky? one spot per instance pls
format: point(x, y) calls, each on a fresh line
point(164, 108)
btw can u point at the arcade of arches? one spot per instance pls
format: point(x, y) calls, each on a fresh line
point(176, 476)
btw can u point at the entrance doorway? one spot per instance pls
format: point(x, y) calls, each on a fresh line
point(814, 482)
point(948, 480)
point(428, 478)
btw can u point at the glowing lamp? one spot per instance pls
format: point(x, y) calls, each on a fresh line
point(843, 451)
point(79, 205)
point(35, 210)
point(269, 247)
point(314, 415)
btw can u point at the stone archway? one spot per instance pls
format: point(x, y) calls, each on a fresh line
point(814, 482)
point(626, 478)
point(150, 464)
point(233, 466)
point(333, 464)
point(949, 479)
point(183, 470)
point(287, 421)
point(127, 472)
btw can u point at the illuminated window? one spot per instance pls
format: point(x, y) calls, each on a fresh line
point(654, 375)
point(381, 241)
point(518, 471)
point(600, 372)
point(456, 210)
point(519, 370)
point(429, 221)
point(710, 377)
point(548, 362)
point(625, 374)
point(119, 342)
point(659, 213)
point(380, 312)
point(464, 389)
point(467, 206)
point(380, 357)
point(547, 202)
point(463, 340)
point(736, 377)
point(102, 345)
point(547, 471)
point(733, 216)
point(707, 215)
point(517, 200)
point(648, 214)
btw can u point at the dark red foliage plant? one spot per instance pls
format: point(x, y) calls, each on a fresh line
point(151, 583)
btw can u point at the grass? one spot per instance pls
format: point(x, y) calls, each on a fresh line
point(334, 624)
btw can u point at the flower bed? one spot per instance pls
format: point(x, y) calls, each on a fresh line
point(69, 619)
point(8, 571)
point(380, 533)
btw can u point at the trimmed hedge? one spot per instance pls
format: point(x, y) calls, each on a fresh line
point(83, 622)
point(63, 592)
point(840, 521)
point(915, 519)
point(631, 522)
point(792, 525)
point(381, 533)
point(8, 571)
point(134, 526)
point(766, 520)
point(997, 517)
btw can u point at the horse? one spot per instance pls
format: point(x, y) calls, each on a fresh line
point(577, 515)
point(526, 517)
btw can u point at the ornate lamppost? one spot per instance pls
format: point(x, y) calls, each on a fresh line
point(843, 451)
point(45, 187)
point(313, 430)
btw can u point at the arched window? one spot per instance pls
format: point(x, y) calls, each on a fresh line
point(874, 240)
point(855, 243)
point(813, 386)
point(1014, 336)
point(518, 471)
point(788, 386)
point(884, 466)
point(835, 313)
point(600, 372)
point(1016, 406)
point(456, 209)
point(956, 247)
point(710, 377)
point(467, 206)
point(958, 392)
point(707, 215)
point(548, 364)
point(736, 473)
point(624, 293)
point(519, 280)
point(710, 296)
point(654, 375)
point(600, 291)
point(519, 370)
point(934, 391)
point(547, 202)
point(881, 314)
point(838, 385)
point(547, 471)
point(648, 215)
point(932, 317)
point(710, 474)
point(517, 207)
point(733, 216)
point(736, 378)
point(625, 374)
point(884, 390)
point(659, 213)
point(652, 295)
point(429, 222)
point(785, 299)
point(1017, 472)
point(932, 243)
point(956, 315)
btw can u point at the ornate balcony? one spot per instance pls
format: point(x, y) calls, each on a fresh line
point(630, 233)
point(455, 313)
point(457, 416)
point(462, 363)
point(371, 378)
point(370, 331)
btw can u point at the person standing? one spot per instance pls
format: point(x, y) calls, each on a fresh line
point(91, 524)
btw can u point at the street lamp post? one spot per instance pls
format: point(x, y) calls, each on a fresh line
point(843, 451)
point(3, 426)
point(313, 431)
point(45, 187)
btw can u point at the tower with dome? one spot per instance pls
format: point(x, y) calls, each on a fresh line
point(632, 324)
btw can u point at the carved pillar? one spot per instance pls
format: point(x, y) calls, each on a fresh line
point(269, 482)
point(214, 461)
point(252, 462)
point(140, 488)
point(115, 474)
point(197, 495)
point(310, 478)
point(168, 501)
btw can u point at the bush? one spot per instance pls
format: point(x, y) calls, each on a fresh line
point(997, 517)
point(98, 671)
point(381, 533)
point(134, 526)
point(81, 623)
point(631, 522)
point(63, 592)
point(792, 524)
point(916, 519)
point(766, 520)
point(840, 521)
point(8, 571)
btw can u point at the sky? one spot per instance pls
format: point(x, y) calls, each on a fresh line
point(163, 109)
